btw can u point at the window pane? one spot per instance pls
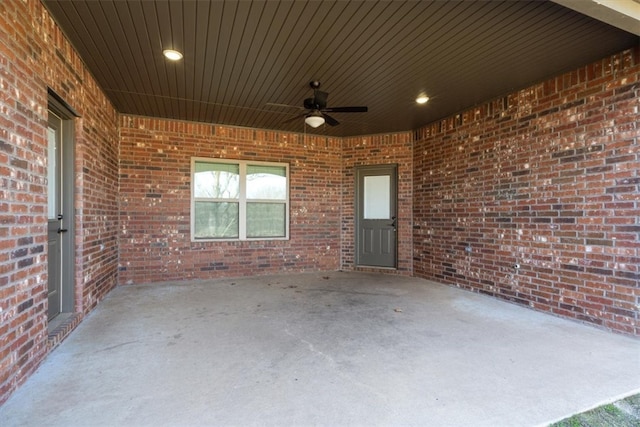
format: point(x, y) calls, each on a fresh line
point(51, 174)
point(377, 197)
point(216, 180)
point(265, 220)
point(216, 220)
point(266, 182)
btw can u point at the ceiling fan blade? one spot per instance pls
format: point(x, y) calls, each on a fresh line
point(320, 99)
point(330, 120)
point(273, 104)
point(346, 109)
point(294, 118)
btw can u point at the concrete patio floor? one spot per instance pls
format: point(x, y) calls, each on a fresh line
point(332, 348)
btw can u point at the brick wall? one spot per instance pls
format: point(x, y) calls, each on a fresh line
point(34, 55)
point(155, 242)
point(396, 149)
point(547, 178)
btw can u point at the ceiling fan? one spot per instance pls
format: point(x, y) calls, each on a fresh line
point(316, 114)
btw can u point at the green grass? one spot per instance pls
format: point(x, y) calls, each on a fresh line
point(624, 413)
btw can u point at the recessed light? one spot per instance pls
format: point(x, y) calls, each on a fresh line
point(422, 99)
point(171, 54)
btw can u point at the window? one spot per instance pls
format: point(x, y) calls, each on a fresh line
point(239, 200)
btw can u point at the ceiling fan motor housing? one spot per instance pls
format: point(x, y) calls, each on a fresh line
point(317, 108)
point(310, 104)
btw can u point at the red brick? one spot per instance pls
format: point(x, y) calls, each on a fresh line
point(575, 218)
point(21, 158)
point(487, 177)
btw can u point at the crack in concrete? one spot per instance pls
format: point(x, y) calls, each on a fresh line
point(116, 346)
point(336, 367)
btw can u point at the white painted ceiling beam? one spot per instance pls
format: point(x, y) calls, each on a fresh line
point(623, 14)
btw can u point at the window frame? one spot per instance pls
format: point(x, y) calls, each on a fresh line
point(242, 200)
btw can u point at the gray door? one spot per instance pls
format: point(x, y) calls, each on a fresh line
point(376, 222)
point(60, 185)
point(54, 202)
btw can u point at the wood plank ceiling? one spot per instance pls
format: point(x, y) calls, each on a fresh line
point(248, 63)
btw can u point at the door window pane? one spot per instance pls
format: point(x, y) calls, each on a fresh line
point(216, 180)
point(266, 182)
point(216, 220)
point(51, 174)
point(377, 197)
point(265, 220)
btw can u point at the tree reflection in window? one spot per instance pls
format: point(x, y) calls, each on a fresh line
point(218, 216)
point(240, 200)
point(266, 197)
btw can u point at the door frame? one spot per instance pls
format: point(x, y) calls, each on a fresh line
point(359, 170)
point(67, 182)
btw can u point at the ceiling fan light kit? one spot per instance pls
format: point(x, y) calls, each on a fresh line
point(314, 119)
